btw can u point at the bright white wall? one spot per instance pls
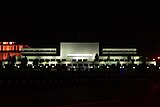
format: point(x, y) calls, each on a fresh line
point(119, 57)
point(78, 48)
point(43, 57)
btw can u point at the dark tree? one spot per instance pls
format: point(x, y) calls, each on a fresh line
point(24, 61)
point(132, 61)
point(41, 60)
point(0, 63)
point(108, 58)
point(96, 57)
point(143, 59)
point(47, 60)
point(9, 59)
point(35, 62)
point(118, 64)
point(129, 58)
point(13, 60)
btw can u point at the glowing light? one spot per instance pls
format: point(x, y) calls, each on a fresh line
point(91, 66)
point(3, 66)
point(122, 66)
point(158, 57)
point(46, 66)
point(74, 67)
point(159, 67)
point(107, 66)
point(32, 66)
point(80, 55)
point(153, 59)
point(10, 43)
point(41, 66)
point(18, 66)
point(147, 67)
point(52, 66)
point(134, 67)
point(5, 43)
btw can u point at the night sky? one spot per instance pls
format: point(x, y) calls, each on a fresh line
point(113, 24)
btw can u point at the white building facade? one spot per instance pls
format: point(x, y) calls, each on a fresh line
point(83, 53)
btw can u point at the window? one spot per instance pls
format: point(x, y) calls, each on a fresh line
point(47, 60)
point(52, 59)
point(30, 59)
point(63, 59)
point(74, 64)
point(69, 64)
point(74, 60)
point(46, 64)
point(79, 60)
point(41, 60)
point(84, 60)
point(52, 64)
point(90, 64)
point(111, 60)
point(121, 59)
point(100, 59)
point(80, 64)
point(57, 59)
point(123, 64)
point(116, 59)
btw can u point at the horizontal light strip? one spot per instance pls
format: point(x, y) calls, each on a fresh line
point(80, 55)
point(39, 49)
point(119, 52)
point(119, 49)
point(38, 52)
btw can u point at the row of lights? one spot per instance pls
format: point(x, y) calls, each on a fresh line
point(75, 67)
point(157, 58)
point(90, 67)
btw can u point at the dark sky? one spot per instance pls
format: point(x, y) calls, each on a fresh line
point(114, 24)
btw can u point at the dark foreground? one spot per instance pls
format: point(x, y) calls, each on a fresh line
point(138, 94)
point(77, 97)
point(46, 88)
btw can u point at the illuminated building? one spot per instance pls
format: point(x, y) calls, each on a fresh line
point(76, 53)
point(72, 54)
point(10, 48)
